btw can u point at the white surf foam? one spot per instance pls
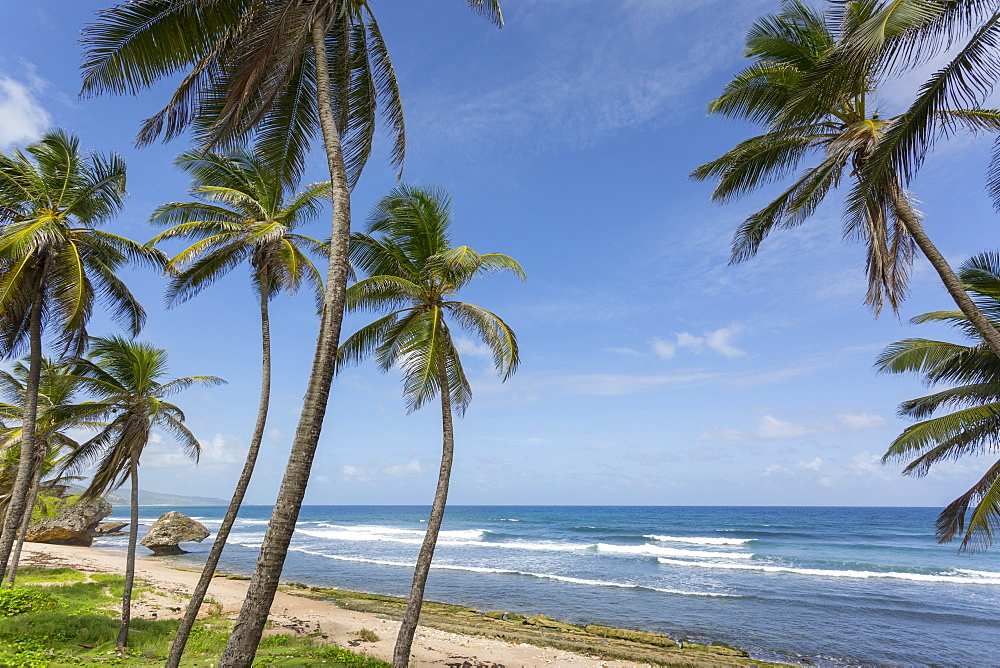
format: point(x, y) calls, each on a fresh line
point(698, 540)
point(505, 571)
point(365, 533)
point(656, 550)
point(994, 578)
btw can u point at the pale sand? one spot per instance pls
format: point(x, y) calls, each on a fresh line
point(294, 613)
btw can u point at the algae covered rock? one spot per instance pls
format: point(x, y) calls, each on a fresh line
point(170, 530)
point(547, 623)
point(72, 525)
point(494, 614)
point(645, 637)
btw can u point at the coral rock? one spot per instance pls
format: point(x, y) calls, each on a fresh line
point(171, 529)
point(72, 525)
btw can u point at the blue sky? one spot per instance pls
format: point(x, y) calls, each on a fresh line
point(652, 372)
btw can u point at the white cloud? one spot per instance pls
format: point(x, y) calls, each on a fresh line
point(380, 470)
point(470, 348)
point(719, 341)
point(22, 118)
point(663, 349)
point(624, 351)
point(861, 421)
point(221, 449)
point(814, 465)
point(770, 428)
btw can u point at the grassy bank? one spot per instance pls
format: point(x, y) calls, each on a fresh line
point(61, 617)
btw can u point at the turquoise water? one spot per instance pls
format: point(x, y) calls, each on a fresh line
point(830, 586)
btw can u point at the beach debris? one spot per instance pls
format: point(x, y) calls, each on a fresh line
point(72, 524)
point(170, 530)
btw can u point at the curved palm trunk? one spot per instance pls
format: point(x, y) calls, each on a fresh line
point(22, 533)
point(952, 283)
point(401, 654)
point(246, 634)
point(19, 493)
point(198, 595)
point(133, 535)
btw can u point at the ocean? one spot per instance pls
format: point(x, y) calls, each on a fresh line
point(810, 585)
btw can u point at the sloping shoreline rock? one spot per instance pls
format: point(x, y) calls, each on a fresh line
point(111, 529)
point(170, 530)
point(72, 525)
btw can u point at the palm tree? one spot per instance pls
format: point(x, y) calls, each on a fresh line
point(792, 50)
point(58, 413)
point(241, 214)
point(128, 378)
point(413, 275)
point(264, 66)
point(54, 265)
point(972, 376)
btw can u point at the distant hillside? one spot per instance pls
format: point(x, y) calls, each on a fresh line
point(121, 498)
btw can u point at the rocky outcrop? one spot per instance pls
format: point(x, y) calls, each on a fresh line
point(170, 530)
point(111, 529)
point(72, 525)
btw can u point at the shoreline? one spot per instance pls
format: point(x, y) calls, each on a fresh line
point(448, 635)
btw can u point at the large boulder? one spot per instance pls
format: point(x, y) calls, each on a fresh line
point(72, 525)
point(171, 529)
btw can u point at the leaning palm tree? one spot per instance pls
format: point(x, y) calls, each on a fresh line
point(413, 275)
point(963, 419)
point(54, 266)
point(127, 377)
point(59, 412)
point(844, 129)
point(284, 71)
point(243, 213)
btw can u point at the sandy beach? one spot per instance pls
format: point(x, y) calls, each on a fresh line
point(291, 613)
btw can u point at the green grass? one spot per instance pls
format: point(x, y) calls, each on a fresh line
point(62, 620)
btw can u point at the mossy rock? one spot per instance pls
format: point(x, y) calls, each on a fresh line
point(719, 648)
point(494, 614)
point(645, 637)
point(548, 623)
point(514, 617)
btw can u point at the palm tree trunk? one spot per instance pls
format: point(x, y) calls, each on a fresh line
point(198, 595)
point(401, 654)
point(22, 533)
point(952, 283)
point(133, 535)
point(246, 634)
point(19, 493)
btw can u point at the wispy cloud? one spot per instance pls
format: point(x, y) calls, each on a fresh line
point(22, 117)
point(591, 68)
point(719, 341)
point(381, 469)
point(770, 428)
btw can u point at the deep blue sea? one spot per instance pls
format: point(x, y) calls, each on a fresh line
point(830, 586)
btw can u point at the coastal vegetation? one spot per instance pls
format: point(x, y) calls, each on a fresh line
point(128, 378)
point(62, 616)
point(260, 82)
point(56, 265)
point(961, 420)
point(413, 274)
point(841, 125)
point(244, 212)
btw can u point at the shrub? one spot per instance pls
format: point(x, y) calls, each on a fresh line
point(18, 600)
